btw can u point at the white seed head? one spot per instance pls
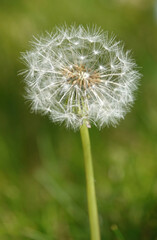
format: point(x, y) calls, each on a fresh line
point(78, 74)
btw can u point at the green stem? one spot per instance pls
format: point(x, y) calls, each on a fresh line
point(91, 196)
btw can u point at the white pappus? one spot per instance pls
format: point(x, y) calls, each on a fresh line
point(78, 74)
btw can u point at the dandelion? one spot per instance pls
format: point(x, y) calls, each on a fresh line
point(81, 77)
point(78, 75)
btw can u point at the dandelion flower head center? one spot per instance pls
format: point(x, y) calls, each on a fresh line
point(80, 76)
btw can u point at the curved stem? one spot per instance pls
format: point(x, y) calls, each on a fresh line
point(91, 196)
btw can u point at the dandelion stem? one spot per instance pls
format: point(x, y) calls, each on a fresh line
point(91, 196)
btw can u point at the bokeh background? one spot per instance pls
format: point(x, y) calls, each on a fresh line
point(42, 181)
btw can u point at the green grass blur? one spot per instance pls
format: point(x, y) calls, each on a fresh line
point(42, 182)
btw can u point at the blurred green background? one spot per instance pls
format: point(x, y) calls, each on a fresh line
point(42, 182)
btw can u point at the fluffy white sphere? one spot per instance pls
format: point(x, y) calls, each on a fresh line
point(78, 74)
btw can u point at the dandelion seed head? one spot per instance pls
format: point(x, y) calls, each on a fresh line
point(78, 74)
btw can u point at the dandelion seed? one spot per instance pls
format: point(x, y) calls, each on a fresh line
point(76, 74)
